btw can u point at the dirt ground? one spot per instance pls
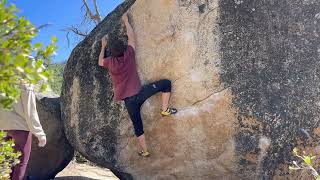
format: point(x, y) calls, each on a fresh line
point(76, 171)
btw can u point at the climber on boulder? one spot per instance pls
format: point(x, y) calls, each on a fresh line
point(126, 83)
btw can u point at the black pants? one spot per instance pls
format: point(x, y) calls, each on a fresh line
point(134, 103)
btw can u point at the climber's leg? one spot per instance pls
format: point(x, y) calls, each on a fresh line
point(133, 108)
point(143, 145)
point(163, 86)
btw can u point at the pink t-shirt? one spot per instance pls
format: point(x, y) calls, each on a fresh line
point(124, 75)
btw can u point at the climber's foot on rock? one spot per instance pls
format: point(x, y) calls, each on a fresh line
point(144, 153)
point(169, 111)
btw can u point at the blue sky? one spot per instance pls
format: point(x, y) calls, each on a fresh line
point(60, 14)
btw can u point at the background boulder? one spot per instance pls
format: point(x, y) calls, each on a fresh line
point(48, 161)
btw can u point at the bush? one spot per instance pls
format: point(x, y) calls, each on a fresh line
point(304, 162)
point(8, 157)
point(57, 77)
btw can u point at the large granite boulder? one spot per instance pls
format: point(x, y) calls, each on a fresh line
point(48, 161)
point(245, 81)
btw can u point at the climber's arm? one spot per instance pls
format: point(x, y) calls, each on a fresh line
point(104, 43)
point(130, 32)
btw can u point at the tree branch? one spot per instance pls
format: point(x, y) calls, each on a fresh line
point(88, 11)
point(98, 16)
point(6, 22)
point(88, 18)
point(76, 31)
point(43, 26)
point(26, 31)
point(9, 32)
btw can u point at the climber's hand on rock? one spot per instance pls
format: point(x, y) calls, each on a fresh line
point(125, 17)
point(42, 141)
point(104, 41)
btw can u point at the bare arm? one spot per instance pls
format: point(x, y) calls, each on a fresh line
point(104, 43)
point(130, 32)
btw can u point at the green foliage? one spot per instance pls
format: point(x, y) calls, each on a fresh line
point(79, 158)
point(19, 59)
point(57, 77)
point(8, 157)
point(305, 162)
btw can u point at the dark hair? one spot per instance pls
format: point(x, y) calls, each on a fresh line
point(117, 48)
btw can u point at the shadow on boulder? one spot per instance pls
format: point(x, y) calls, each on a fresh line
point(46, 162)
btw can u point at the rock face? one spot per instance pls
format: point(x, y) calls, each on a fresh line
point(46, 162)
point(245, 81)
point(270, 59)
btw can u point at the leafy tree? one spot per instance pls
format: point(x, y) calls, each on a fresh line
point(20, 60)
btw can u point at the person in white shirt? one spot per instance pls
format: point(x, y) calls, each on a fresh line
point(20, 123)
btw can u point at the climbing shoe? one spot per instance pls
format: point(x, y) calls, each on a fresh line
point(169, 111)
point(144, 154)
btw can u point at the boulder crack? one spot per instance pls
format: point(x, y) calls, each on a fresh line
point(207, 97)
